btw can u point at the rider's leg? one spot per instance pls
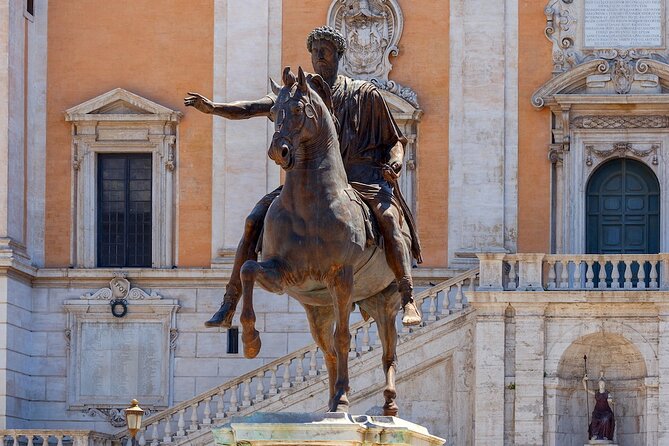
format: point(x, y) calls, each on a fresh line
point(398, 257)
point(246, 250)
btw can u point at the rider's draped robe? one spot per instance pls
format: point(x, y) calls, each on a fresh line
point(367, 133)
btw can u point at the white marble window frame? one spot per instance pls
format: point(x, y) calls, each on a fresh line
point(574, 174)
point(94, 137)
point(96, 309)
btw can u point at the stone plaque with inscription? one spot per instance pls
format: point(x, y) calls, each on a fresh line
point(623, 24)
point(121, 360)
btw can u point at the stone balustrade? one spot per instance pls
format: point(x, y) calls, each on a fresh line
point(239, 396)
point(539, 272)
point(43, 437)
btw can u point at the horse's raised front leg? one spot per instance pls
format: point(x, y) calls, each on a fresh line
point(383, 307)
point(270, 277)
point(341, 290)
point(321, 324)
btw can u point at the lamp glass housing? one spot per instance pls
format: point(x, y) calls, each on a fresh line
point(133, 417)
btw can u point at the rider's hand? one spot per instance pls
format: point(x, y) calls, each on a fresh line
point(199, 102)
point(391, 172)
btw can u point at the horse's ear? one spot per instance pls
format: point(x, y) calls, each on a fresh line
point(302, 81)
point(288, 77)
point(275, 87)
point(323, 89)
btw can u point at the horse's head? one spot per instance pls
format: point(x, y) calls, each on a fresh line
point(302, 109)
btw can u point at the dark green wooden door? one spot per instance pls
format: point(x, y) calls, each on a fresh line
point(623, 209)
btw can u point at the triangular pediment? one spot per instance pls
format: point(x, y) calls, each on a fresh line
point(602, 77)
point(118, 104)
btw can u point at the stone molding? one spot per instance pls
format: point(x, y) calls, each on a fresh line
point(148, 313)
point(122, 122)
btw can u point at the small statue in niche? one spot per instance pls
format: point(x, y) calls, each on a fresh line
point(603, 423)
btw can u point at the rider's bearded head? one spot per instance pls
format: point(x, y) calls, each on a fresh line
point(326, 46)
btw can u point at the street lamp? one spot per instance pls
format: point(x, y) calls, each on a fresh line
point(133, 418)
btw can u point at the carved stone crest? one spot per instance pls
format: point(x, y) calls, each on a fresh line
point(372, 29)
point(119, 288)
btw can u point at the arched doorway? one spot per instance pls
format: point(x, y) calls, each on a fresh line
point(623, 209)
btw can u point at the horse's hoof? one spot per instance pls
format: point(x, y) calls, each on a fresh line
point(252, 345)
point(390, 410)
point(411, 315)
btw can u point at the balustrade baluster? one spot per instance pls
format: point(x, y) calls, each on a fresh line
point(207, 411)
point(564, 274)
point(627, 274)
point(459, 297)
point(377, 342)
point(589, 274)
point(641, 275)
point(551, 274)
point(365, 347)
point(246, 394)
point(615, 274)
point(352, 353)
point(167, 431)
point(313, 364)
point(432, 310)
point(446, 302)
point(194, 425)
point(601, 274)
point(30, 440)
point(142, 440)
point(59, 440)
point(272, 381)
point(234, 400)
point(511, 284)
point(260, 388)
point(299, 369)
point(577, 273)
point(220, 405)
point(154, 434)
point(128, 441)
point(285, 384)
point(653, 275)
point(181, 424)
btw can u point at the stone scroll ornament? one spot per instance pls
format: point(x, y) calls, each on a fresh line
point(372, 29)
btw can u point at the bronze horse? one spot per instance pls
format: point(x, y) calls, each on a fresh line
point(315, 244)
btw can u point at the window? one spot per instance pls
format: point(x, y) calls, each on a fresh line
point(233, 340)
point(124, 210)
point(30, 7)
point(124, 158)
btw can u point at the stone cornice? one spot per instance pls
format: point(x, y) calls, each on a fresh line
point(565, 81)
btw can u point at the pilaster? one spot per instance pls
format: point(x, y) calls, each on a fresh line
point(530, 347)
point(663, 373)
point(489, 373)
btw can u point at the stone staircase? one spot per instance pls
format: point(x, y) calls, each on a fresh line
point(298, 381)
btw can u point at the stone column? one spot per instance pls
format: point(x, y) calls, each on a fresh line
point(530, 346)
point(663, 374)
point(489, 373)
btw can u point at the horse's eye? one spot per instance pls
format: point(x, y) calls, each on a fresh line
point(298, 108)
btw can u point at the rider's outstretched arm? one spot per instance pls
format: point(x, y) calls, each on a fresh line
point(231, 110)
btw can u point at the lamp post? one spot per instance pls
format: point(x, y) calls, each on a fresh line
point(133, 418)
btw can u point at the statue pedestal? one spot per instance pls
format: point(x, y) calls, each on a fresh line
point(606, 442)
point(329, 429)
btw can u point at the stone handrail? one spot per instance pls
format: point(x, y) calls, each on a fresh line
point(30, 437)
point(539, 272)
point(290, 371)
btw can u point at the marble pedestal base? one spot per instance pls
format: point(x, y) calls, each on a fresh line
point(330, 429)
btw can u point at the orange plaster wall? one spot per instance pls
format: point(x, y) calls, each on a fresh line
point(423, 64)
point(534, 69)
point(159, 50)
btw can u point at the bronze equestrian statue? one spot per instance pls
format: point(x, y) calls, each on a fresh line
point(372, 149)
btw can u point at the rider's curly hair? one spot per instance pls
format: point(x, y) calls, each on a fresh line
point(330, 34)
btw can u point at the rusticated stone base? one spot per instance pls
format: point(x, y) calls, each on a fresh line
point(329, 429)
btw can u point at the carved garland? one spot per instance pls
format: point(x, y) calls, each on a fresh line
point(621, 149)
